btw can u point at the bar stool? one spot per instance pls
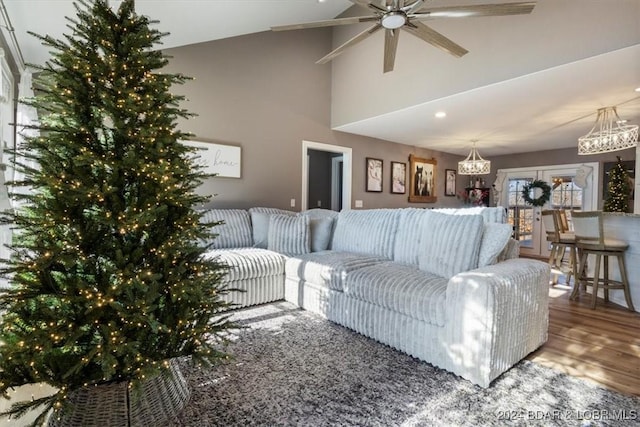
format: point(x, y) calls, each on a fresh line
point(590, 239)
point(560, 241)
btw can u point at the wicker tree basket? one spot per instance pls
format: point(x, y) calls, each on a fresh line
point(158, 401)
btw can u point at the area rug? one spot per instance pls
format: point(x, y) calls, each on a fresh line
point(293, 368)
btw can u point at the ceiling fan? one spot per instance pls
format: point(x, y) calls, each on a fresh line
point(393, 15)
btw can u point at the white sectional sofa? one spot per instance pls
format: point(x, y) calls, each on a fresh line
point(443, 285)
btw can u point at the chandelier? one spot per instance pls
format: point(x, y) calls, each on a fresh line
point(609, 133)
point(474, 164)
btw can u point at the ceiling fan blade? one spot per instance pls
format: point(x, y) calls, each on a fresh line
point(390, 45)
point(367, 4)
point(327, 23)
point(433, 37)
point(413, 7)
point(479, 10)
point(351, 42)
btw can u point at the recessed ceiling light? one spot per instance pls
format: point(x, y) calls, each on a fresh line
point(638, 89)
point(441, 114)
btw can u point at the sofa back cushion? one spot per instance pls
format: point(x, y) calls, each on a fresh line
point(407, 244)
point(494, 240)
point(489, 214)
point(260, 224)
point(450, 244)
point(236, 230)
point(289, 234)
point(370, 232)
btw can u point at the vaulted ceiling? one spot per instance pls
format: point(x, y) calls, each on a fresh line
point(529, 83)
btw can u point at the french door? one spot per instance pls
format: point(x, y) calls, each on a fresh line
point(568, 191)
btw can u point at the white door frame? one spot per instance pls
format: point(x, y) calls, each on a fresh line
point(336, 164)
point(589, 201)
point(346, 171)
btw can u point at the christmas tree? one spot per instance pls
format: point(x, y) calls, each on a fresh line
point(108, 278)
point(619, 189)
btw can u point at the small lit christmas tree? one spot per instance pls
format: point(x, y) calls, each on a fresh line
point(619, 189)
point(108, 280)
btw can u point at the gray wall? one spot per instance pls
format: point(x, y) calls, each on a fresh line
point(264, 93)
point(557, 157)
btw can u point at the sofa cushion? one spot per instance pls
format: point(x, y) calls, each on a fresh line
point(401, 288)
point(370, 232)
point(494, 240)
point(322, 223)
point(329, 268)
point(260, 224)
point(489, 214)
point(450, 243)
point(320, 213)
point(236, 230)
point(289, 234)
point(407, 244)
point(249, 263)
point(321, 230)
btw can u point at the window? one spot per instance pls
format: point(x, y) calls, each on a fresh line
point(520, 215)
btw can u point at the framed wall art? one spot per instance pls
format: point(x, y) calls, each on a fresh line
point(217, 159)
point(398, 177)
point(449, 182)
point(374, 175)
point(422, 181)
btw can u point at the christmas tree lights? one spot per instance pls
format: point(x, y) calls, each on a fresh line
point(108, 279)
point(619, 189)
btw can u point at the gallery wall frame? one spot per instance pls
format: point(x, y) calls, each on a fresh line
point(374, 169)
point(449, 182)
point(422, 180)
point(216, 159)
point(398, 178)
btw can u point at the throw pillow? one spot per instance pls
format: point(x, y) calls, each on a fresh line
point(494, 239)
point(260, 229)
point(260, 224)
point(321, 230)
point(450, 243)
point(289, 234)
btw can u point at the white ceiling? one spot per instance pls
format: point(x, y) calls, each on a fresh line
point(552, 106)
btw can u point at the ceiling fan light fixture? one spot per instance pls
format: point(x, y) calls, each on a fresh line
point(393, 20)
point(474, 164)
point(609, 133)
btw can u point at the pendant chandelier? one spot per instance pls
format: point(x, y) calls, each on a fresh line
point(609, 133)
point(474, 164)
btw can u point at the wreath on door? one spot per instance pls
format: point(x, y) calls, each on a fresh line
point(540, 200)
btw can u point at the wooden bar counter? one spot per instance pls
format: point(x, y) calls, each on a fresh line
point(625, 227)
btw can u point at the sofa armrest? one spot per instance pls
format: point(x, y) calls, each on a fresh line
point(495, 316)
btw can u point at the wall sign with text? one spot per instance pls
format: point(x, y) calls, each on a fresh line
point(222, 160)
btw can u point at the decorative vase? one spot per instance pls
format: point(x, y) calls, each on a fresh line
point(156, 402)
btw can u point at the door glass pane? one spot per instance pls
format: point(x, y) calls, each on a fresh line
point(565, 194)
point(520, 215)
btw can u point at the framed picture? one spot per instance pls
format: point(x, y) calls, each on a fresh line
point(374, 175)
point(423, 180)
point(216, 159)
point(450, 182)
point(398, 177)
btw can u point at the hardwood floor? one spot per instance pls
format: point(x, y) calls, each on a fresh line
point(601, 345)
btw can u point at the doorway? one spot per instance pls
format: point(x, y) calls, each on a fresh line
point(573, 187)
point(326, 176)
point(325, 180)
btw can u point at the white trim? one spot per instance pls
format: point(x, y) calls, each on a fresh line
point(346, 170)
point(335, 182)
point(636, 200)
point(594, 178)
